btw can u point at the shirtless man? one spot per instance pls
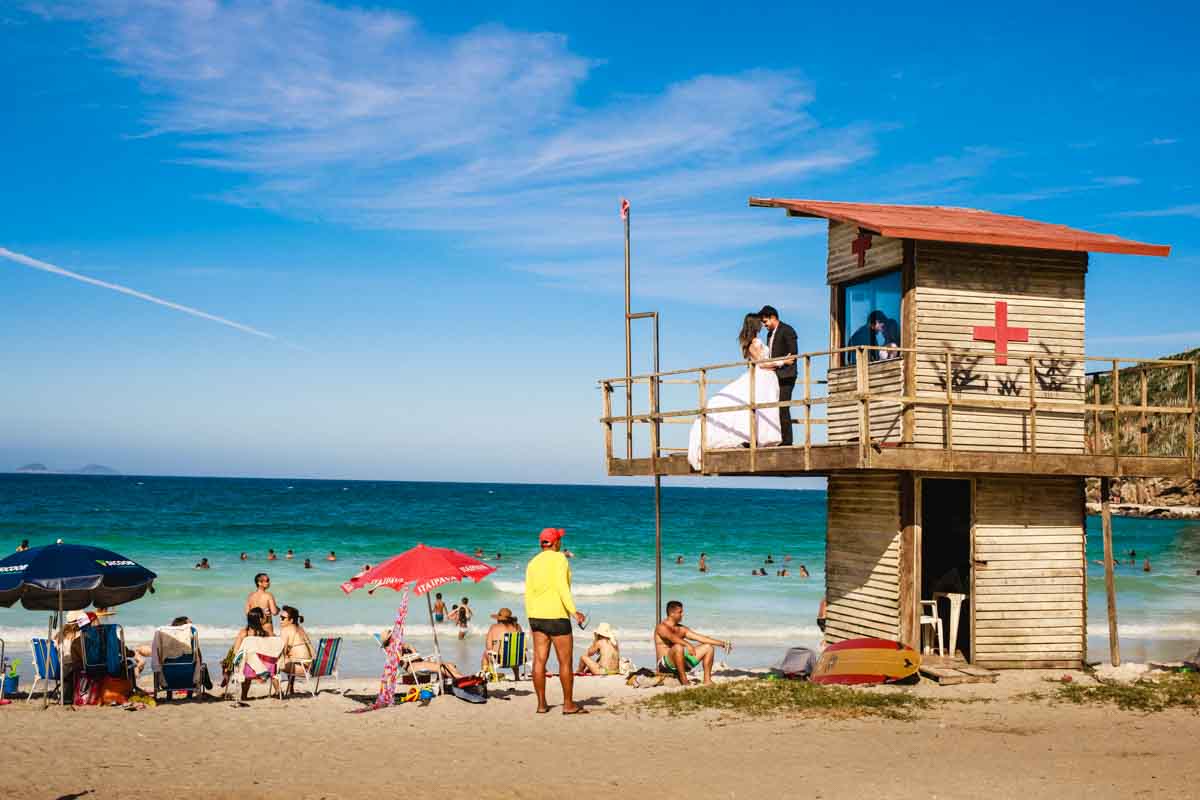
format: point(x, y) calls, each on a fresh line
point(674, 649)
point(494, 638)
point(262, 598)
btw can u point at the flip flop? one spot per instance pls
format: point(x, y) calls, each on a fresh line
point(544, 710)
point(580, 710)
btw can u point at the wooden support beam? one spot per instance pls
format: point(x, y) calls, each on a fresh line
point(1191, 430)
point(703, 416)
point(1143, 433)
point(808, 412)
point(949, 405)
point(753, 423)
point(1110, 588)
point(606, 390)
point(1116, 404)
point(1032, 409)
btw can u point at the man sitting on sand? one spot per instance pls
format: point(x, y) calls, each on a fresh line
point(674, 649)
point(604, 656)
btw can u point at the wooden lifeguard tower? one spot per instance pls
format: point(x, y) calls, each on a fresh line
point(956, 417)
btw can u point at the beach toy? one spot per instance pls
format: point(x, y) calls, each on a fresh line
point(866, 661)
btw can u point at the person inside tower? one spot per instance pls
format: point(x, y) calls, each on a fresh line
point(879, 331)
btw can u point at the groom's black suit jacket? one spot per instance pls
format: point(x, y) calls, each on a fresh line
point(785, 345)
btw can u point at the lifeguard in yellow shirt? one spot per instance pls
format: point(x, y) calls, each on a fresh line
point(549, 608)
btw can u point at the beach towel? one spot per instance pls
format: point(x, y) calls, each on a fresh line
point(395, 655)
point(174, 643)
point(798, 662)
point(260, 654)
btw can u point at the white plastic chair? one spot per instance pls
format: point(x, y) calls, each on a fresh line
point(935, 627)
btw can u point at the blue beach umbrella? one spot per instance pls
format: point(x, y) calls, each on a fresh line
point(60, 577)
point(68, 577)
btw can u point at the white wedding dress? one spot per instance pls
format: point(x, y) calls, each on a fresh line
point(732, 428)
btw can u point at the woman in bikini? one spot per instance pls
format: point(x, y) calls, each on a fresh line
point(254, 627)
point(298, 651)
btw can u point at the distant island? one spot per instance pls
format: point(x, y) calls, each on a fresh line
point(89, 469)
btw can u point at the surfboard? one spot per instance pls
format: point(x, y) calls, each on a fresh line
point(866, 661)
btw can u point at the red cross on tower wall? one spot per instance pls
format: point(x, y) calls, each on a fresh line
point(1000, 333)
point(860, 246)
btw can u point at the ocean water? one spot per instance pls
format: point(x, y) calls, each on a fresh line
point(169, 524)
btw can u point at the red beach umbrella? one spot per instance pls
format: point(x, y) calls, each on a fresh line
point(424, 568)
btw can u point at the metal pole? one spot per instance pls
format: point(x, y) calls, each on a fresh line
point(628, 347)
point(657, 490)
point(62, 676)
point(1114, 644)
point(437, 650)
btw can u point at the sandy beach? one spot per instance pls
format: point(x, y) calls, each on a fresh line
point(986, 742)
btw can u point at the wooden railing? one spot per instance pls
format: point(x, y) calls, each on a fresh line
point(1051, 390)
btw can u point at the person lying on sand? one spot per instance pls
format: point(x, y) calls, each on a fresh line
point(604, 656)
point(674, 649)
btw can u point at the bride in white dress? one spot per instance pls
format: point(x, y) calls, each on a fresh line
point(732, 428)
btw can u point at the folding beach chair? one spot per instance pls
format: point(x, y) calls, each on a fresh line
point(260, 653)
point(419, 677)
point(104, 651)
point(47, 670)
point(513, 654)
point(323, 664)
point(175, 660)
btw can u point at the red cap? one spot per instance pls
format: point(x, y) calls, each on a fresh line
point(550, 535)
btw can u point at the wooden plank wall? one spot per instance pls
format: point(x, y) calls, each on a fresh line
point(842, 263)
point(883, 377)
point(1030, 596)
point(862, 553)
point(957, 287)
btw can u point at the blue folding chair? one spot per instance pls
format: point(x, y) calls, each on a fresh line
point(178, 673)
point(47, 669)
point(104, 651)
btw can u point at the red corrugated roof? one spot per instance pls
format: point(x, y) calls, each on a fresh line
point(948, 224)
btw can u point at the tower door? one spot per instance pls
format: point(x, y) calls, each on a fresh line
point(946, 556)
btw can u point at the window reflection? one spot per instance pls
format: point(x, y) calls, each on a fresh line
point(871, 315)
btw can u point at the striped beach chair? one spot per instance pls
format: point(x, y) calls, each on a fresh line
point(323, 665)
point(47, 669)
point(513, 655)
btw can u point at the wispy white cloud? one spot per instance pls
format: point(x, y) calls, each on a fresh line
point(1050, 192)
point(360, 117)
point(1190, 338)
point(149, 298)
point(1189, 210)
point(1160, 141)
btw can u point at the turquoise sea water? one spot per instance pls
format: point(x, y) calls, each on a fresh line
point(168, 524)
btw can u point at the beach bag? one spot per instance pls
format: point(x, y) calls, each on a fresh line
point(471, 688)
point(87, 691)
point(798, 663)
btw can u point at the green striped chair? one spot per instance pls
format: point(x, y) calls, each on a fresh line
point(323, 665)
point(513, 655)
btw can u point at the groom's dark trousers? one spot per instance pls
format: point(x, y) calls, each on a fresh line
point(783, 343)
point(786, 385)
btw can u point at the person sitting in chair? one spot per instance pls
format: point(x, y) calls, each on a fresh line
point(674, 649)
point(494, 638)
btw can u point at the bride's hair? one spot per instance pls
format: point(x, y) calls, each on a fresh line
point(750, 328)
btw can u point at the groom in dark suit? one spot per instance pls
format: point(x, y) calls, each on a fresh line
point(782, 342)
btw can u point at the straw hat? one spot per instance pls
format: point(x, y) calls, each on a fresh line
point(504, 615)
point(606, 630)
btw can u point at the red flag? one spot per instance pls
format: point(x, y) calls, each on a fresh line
point(624, 208)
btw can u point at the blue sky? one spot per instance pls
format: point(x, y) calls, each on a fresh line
point(419, 203)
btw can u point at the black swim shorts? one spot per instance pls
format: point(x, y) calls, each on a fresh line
point(550, 627)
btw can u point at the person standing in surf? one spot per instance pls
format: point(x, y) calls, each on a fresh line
point(549, 608)
point(262, 599)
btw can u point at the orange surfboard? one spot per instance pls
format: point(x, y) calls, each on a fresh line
point(866, 661)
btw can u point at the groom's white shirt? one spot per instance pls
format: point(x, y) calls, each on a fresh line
point(771, 341)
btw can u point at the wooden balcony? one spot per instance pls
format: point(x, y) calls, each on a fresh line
point(926, 411)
